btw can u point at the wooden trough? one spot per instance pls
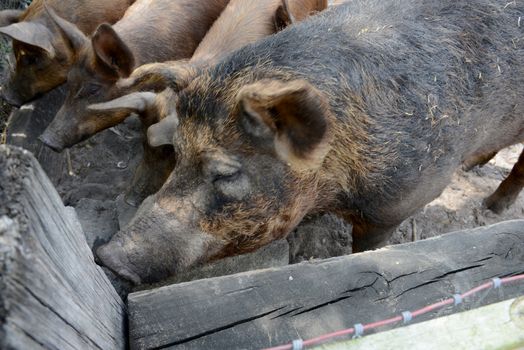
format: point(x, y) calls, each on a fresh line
point(53, 295)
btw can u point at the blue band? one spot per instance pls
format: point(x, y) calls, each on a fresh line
point(407, 316)
point(359, 330)
point(497, 282)
point(298, 344)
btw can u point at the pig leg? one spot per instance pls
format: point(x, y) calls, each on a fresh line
point(508, 190)
point(368, 236)
point(153, 171)
point(480, 160)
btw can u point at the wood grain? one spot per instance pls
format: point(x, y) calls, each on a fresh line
point(271, 307)
point(52, 294)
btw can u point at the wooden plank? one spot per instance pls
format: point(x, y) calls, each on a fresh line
point(496, 326)
point(27, 123)
point(271, 307)
point(52, 294)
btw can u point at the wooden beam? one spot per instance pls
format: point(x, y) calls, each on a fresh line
point(496, 326)
point(52, 295)
point(27, 123)
point(271, 307)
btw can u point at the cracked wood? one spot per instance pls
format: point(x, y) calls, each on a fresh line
point(52, 295)
point(274, 306)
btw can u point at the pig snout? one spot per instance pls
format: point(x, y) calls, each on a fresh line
point(113, 256)
point(61, 133)
point(51, 140)
point(156, 245)
point(10, 97)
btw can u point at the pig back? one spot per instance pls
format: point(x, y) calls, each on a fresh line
point(164, 30)
point(446, 65)
point(86, 15)
point(427, 83)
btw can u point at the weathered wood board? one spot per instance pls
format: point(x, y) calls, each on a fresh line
point(496, 326)
point(28, 122)
point(272, 307)
point(52, 294)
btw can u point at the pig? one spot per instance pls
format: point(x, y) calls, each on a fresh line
point(150, 31)
point(41, 57)
point(365, 110)
point(242, 22)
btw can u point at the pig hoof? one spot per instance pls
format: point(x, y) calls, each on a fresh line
point(498, 204)
point(50, 143)
point(111, 260)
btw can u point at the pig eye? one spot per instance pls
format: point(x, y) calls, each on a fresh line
point(232, 186)
point(88, 90)
point(228, 177)
point(29, 58)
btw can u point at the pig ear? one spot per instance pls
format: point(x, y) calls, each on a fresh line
point(112, 51)
point(74, 38)
point(313, 7)
point(283, 16)
point(290, 118)
point(8, 17)
point(34, 34)
point(158, 76)
point(137, 102)
point(162, 133)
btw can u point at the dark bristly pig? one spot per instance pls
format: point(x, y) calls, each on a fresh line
point(242, 22)
point(365, 110)
point(41, 58)
point(150, 31)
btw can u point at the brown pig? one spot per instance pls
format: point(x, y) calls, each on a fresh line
point(42, 57)
point(242, 22)
point(365, 110)
point(150, 31)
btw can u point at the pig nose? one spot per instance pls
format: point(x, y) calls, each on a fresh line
point(50, 140)
point(111, 257)
point(7, 97)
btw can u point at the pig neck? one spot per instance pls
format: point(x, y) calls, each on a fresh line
point(354, 163)
point(86, 15)
point(242, 22)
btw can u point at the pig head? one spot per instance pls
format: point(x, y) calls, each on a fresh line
point(246, 174)
point(112, 53)
point(101, 61)
point(39, 61)
point(41, 57)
